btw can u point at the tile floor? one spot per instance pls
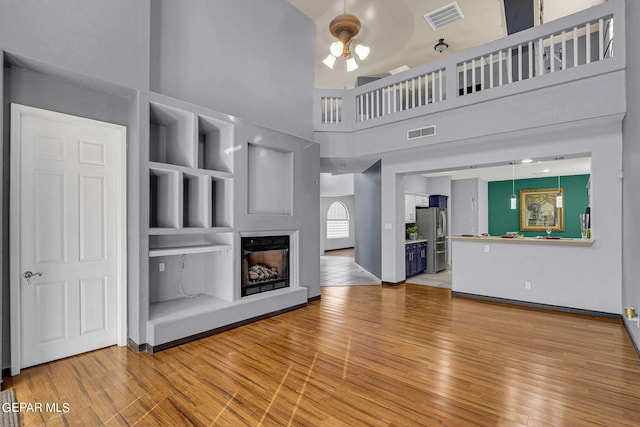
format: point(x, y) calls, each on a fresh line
point(338, 268)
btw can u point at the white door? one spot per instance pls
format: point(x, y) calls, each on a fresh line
point(67, 235)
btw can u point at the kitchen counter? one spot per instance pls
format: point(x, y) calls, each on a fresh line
point(525, 240)
point(408, 242)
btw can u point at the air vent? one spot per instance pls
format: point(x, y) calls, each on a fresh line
point(444, 16)
point(421, 133)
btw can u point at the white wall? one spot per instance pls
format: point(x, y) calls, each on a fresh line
point(464, 218)
point(252, 59)
point(601, 138)
point(631, 164)
point(331, 244)
point(568, 102)
point(559, 275)
point(471, 214)
point(416, 184)
point(336, 185)
point(104, 39)
point(483, 206)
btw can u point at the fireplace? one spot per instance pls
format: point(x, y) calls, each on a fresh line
point(265, 264)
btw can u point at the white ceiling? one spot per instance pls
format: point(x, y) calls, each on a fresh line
point(399, 35)
point(536, 169)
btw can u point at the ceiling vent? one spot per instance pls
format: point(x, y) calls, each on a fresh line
point(444, 15)
point(421, 133)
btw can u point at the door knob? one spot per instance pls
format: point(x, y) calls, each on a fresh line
point(28, 275)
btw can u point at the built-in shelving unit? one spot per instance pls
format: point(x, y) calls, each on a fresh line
point(184, 250)
point(191, 255)
point(191, 282)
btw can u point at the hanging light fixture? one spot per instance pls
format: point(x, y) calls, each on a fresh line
point(345, 27)
point(441, 46)
point(559, 195)
point(514, 201)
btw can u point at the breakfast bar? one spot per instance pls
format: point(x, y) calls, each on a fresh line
point(555, 272)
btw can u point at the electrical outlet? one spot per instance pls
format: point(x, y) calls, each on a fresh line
point(161, 267)
point(486, 249)
point(527, 285)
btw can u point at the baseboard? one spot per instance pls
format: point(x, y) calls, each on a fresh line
point(136, 348)
point(627, 328)
point(160, 347)
point(316, 298)
point(6, 373)
point(537, 305)
point(393, 283)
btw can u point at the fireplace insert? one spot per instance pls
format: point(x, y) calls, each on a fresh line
point(265, 264)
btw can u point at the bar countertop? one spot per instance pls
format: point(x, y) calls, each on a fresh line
point(542, 240)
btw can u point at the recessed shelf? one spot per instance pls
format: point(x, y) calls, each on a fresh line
point(195, 212)
point(164, 206)
point(183, 250)
point(215, 145)
point(184, 307)
point(171, 136)
point(167, 231)
point(177, 168)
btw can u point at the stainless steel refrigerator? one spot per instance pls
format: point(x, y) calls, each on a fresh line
point(432, 225)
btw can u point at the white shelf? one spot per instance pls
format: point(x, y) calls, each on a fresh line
point(191, 230)
point(184, 307)
point(177, 168)
point(183, 250)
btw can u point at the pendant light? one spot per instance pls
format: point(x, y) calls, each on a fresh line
point(559, 195)
point(514, 201)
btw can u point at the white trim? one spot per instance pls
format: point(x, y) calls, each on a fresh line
point(17, 111)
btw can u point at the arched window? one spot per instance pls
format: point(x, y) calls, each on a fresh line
point(337, 221)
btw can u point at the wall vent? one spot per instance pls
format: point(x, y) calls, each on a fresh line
point(421, 133)
point(444, 15)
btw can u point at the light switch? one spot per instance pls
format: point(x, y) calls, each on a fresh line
point(486, 248)
point(161, 266)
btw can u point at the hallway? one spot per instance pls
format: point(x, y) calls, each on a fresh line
point(338, 268)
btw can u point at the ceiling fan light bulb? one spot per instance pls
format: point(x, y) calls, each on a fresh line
point(362, 51)
point(336, 48)
point(351, 64)
point(329, 61)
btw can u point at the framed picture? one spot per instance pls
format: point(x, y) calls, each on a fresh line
point(538, 210)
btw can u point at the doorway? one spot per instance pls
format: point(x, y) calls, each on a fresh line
point(67, 235)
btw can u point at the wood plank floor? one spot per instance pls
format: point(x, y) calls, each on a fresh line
point(364, 355)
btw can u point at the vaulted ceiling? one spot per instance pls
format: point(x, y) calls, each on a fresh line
point(398, 34)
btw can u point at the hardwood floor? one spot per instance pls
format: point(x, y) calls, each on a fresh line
point(363, 355)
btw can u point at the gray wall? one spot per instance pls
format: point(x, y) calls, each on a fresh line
point(415, 184)
point(470, 198)
point(331, 244)
point(305, 197)
point(252, 59)
point(34, 89)
point(105, 39)
point(97, 49)
point(368, 201)
point(631, 166)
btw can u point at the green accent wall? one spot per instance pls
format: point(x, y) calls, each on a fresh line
point(503, 219)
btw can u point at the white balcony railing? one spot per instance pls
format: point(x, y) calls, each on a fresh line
point(576, 41)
